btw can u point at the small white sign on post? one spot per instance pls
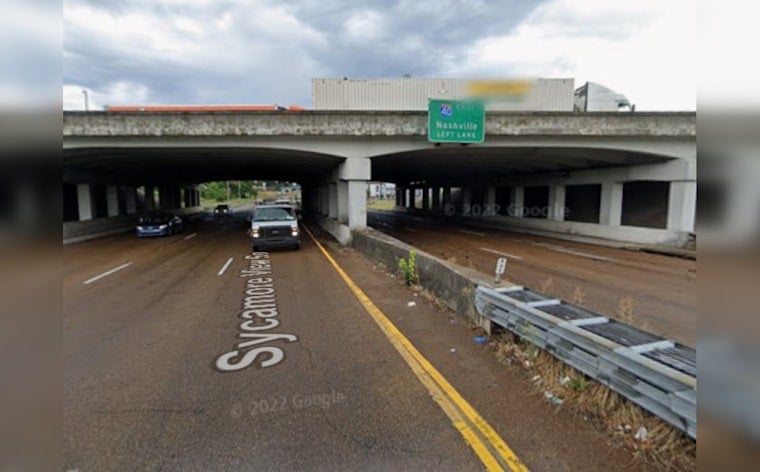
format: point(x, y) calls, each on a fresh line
point(501, 267)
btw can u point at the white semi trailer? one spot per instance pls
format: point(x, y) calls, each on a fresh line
point(596, 97)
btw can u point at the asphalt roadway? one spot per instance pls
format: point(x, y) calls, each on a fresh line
point(662, 289)
point(158, 373)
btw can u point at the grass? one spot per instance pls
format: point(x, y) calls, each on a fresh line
point(236, 202)
point(546, 285)
point(665, 447)
point(625, 309)
point(233, 202)
point(383, 205)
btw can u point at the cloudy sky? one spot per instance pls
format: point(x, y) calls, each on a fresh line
point(266, 51)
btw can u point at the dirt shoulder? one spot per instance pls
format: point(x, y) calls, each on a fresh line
point(543, 436)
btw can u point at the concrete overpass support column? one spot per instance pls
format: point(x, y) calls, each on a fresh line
point(611, 205)
point(518, 202)
point(163, 196)
point(130, 199)
point(176, 197)
point(84, 202)
point(357, 204)
point(490, 209)
point(425, 198)
point(159, 198)
point(112, 200)
point(556, 203)
point(356, 172)
point(324, 193)
point(343, 202)
point(467, 199)
point(436, 199)
point(168, 198)
point(682, 205)
point(150, 198)
point(446, 199)
point(332, 211)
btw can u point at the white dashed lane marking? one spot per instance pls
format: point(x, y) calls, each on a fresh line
point(499, 253)
point(107, 273)
point(226, 265)
point(474, 233)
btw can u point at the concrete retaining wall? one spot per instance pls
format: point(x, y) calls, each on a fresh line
point(626, 234)
point(453, 285)
point(78, 231)
point(338, 231)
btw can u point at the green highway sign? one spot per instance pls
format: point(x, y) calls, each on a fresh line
point(456, 121)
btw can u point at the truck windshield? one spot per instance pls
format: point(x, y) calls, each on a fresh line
point(274, 214)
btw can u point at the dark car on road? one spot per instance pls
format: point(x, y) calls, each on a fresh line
point(274, 226)
point(222, 210)
point(158, 224)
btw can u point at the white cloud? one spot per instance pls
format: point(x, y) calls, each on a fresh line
point(30, 42)
point(142, 35)
point(366, 25)
point(116, 93)
point(728, 69)
point(645, 50)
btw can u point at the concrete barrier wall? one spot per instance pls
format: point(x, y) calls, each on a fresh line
point(338, 231)
point(78, 231)
point(453, 285)
point(629, 234)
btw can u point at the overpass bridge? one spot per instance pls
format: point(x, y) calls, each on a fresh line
point(623, 176)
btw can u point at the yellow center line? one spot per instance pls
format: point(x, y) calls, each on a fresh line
point(482, 438)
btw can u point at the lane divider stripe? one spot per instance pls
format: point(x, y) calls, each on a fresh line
point(499, 253)
point(227, 264)
point(106, 273)
point(460, 412)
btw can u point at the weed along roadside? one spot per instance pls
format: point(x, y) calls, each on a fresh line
point(408, 268)
point(259, 314)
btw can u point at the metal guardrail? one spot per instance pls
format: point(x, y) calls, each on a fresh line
point(655, 373)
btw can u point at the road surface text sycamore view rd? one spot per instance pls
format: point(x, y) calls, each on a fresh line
point(259, 314)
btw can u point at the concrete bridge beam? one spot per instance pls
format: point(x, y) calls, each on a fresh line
point(84, 202)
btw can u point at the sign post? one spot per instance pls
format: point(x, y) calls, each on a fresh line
point(456, 121)
point(501, 267)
